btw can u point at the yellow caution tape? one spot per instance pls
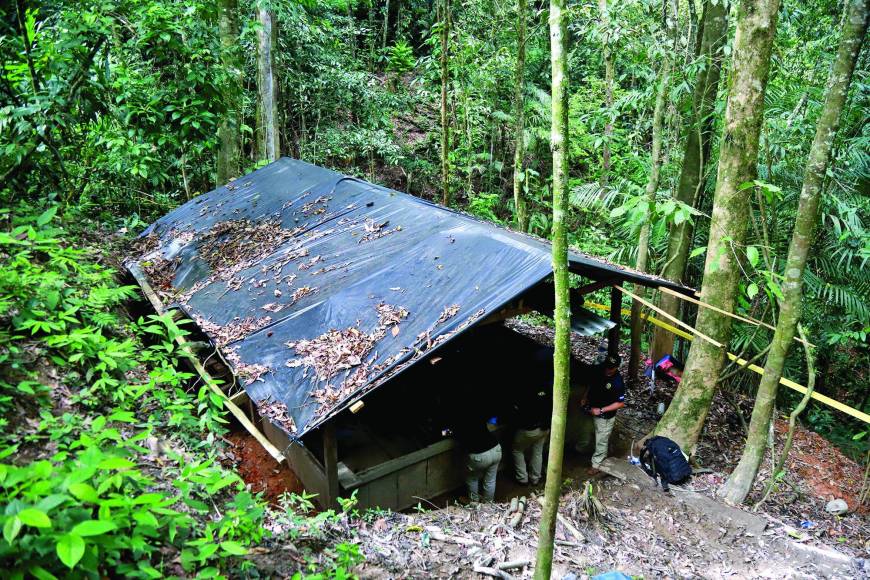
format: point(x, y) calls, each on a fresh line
point(784, 381)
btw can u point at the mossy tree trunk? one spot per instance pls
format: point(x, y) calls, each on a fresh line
point(520, 205)
point(229, 130)
point(562, 354)
point(713, 31)
point(607, 56)
point(267, 87)
point(652, 184)
point(445, 127)
point(854, 29)
point(738, 156)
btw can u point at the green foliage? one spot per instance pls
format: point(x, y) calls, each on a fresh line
point(400, 58)
point(92, 506)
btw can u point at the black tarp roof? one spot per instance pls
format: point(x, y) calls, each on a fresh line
point(293, 252)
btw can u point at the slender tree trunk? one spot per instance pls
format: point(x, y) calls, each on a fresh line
point(267, 88)
point(519, 120)
point(652, 186)
point(386, 25)
point(562, 354)
point(604, 22)
point(229, 154)
point(854, 29)
point(756, 25)
point(445, 127)
point(713, 31)
point(792, 418)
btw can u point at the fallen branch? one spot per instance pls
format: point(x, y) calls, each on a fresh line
point(494, 572)
point(437, 534)
point(514, 564)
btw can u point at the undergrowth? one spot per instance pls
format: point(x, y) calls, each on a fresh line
point(109, 460)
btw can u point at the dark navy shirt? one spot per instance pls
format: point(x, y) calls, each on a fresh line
point(604, 391)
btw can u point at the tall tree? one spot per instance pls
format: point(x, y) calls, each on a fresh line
point(562, 314)
point(712, 32)
point(652, 184)
point(229, 130)
point(267, 87)
point(445, 127)
point(854, 29)
point(521, 208)
point(607, 56)
point(738, 156)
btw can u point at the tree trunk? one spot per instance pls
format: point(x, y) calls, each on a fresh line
point(562, 354)
point(713, 31)
point(854, 29)
point(604, 16)
point(229, 135)
point(744, 112)
point(267, 88)
point(652, 186)
point(445, 128)
point(521, 208)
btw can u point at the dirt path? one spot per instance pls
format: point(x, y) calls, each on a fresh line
point(645, 533)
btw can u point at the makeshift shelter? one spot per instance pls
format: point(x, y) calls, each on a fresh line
point(320, 290)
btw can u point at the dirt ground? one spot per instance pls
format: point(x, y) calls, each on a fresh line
point(258, 469)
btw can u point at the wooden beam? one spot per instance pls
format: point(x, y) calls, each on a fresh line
point(204, 375)
point(726, 313)
point(615, 308)
point(330, 462)
point(593, 286)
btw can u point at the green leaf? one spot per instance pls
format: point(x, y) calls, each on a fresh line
point(93, 527)
point(70, 549)
point(41, 573)
point(11, 528)
point(233, 548)
point(618, 211)
point(46, 216)
point(698, 251)
point(34, 517)
point(146, 518)
point(115, 463)
point(84, 492)
point(752, 290)
point(752, 255)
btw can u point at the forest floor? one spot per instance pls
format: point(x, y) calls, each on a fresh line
point(644, 532)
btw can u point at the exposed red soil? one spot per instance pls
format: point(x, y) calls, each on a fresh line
point(259, 469)
point(824, 469)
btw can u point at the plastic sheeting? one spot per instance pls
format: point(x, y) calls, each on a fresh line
point(319, 253)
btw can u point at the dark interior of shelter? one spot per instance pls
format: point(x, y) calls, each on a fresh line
point(486, 368)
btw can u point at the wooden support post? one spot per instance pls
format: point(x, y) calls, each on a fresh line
point(330, 463)
point(615, 317)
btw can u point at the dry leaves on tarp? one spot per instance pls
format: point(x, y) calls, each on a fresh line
point(338, 350)
point(237, 241)
point(236, 329)
point(248, 373)
point(277, 412)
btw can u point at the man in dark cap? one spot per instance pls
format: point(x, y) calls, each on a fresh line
point(606, 394)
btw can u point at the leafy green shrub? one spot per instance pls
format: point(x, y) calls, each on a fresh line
point(400, 58)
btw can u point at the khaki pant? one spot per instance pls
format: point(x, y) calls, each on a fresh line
point(531, 440)
point(603, 428)
point(482, 468)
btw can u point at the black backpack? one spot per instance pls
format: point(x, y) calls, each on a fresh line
point(664, 461)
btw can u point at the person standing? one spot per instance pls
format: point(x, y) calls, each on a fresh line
point(483, 455)
point(533, 412)
point(605, 395)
